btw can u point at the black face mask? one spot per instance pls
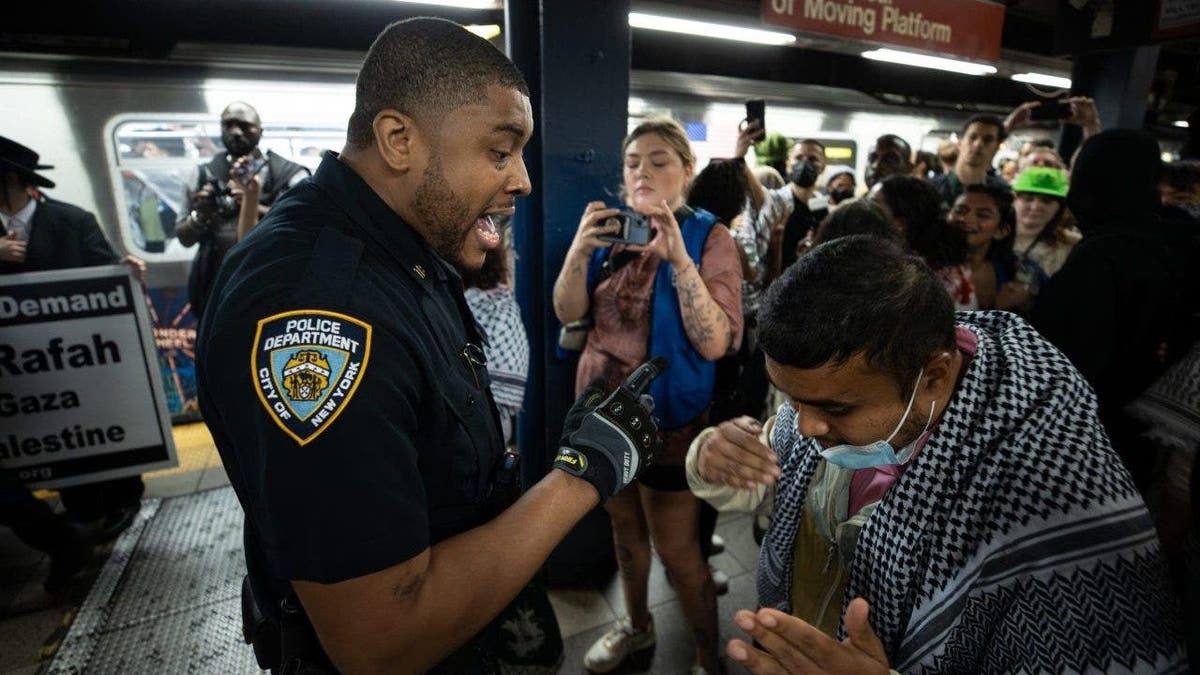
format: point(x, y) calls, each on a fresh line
point(804, 174)
point(840, 195)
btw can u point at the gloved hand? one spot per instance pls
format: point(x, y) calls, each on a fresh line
point(608, 442)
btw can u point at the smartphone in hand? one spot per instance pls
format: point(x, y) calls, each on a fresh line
point(1052, 110)
point(249, 169)
point(635, 229)
point(756, 112)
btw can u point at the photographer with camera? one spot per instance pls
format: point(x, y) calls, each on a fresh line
point(213, 190)
point(678, 296)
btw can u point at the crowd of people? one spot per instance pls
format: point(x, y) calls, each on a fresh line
point(839, 285)
point(937, 485)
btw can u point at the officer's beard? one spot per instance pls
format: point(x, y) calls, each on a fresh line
point(442, 210)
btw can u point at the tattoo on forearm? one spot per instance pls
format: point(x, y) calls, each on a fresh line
point(409, 588)
point(701, 314)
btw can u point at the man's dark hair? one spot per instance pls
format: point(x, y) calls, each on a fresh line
point(813, 141)
point(720, 188)
point(898, 142)
point(989, 120)
point(1047, 143)
point(915, 202)
point(857, 294)
point(1000, 251)
point(861, 216)
point(425, 67)
point(933, 163)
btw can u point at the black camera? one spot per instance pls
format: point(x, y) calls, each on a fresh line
point(635, 229)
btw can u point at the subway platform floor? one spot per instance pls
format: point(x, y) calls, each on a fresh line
point(165, 596)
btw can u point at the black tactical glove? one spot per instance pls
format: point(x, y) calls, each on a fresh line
point(607, 443)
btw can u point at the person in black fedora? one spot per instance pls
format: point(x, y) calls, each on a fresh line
point(40, 234)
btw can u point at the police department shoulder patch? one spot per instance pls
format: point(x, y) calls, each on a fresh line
point(306, 366)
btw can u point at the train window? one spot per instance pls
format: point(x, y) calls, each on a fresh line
point(153, 158)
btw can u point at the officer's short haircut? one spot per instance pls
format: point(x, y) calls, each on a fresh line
point(857, 295)
point(424, 68)
point(986, 120)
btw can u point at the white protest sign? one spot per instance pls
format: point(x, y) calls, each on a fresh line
point(80, 393)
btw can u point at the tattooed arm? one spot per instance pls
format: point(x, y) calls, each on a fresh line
point(707, 326)
point(571, 299)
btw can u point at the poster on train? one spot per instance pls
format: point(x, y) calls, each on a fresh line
point(81, 396)
point(174, 329)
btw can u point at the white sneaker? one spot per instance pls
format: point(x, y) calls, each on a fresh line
point(720, 580)
point(718, 545)
point(622, 646)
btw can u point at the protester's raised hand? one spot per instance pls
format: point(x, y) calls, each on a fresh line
point(791, 645)
point(747, 132)
point(734, 456)
point(1085, 114)
point(1020, 116)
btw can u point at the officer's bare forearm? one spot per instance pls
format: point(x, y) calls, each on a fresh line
point(704, 321)
point(411, 616)
point(570, 290)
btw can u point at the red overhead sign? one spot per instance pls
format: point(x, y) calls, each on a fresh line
point(1177, 18)
point(967, 28)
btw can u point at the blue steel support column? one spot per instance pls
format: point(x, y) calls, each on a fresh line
point(1119, 81)
point(575, 55)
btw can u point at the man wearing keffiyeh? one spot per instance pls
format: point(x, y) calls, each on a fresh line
point(945, 498)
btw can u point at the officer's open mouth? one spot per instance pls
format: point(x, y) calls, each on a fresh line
point(486, 232)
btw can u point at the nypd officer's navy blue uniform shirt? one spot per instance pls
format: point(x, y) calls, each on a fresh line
point(332, 374)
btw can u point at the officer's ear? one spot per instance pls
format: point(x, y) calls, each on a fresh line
point(395, 139)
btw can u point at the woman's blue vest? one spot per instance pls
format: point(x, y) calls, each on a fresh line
point(685, 391)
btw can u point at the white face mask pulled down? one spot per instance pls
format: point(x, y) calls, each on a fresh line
point(880, 453)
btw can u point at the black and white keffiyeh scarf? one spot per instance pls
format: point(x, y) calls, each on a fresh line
point(507, 347)
point(1016, 541)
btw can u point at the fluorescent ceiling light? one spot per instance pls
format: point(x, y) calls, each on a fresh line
point(706, 29)
point(1044, 80)
point(466, 4)
point(1181, 123)
point(487, 31)
point(926, 61)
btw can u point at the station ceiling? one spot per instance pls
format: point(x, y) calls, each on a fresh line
point(1033, 34)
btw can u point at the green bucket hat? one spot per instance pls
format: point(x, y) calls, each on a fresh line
point(1042, 180)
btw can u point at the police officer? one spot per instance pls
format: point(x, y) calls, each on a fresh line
point(363, 441)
